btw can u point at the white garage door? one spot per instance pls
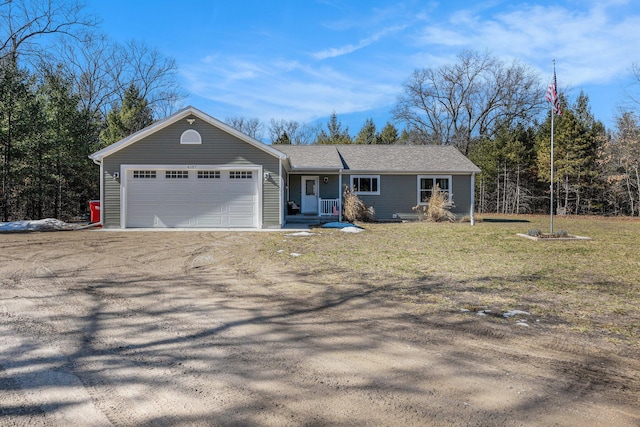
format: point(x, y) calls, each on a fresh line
point(191, 198)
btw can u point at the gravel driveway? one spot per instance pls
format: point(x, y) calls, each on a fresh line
point(194, 328)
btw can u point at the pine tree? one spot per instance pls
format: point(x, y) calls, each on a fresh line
point(367, 134)
point(283, 139)
point(335, 134)
point(576, 140)
point(69, 179)
point(388, 135)
point(18, 111)
point(133, 115)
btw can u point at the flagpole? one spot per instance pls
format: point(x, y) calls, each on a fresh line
point(551, 186)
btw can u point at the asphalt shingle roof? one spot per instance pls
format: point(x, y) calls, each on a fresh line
point(312, 156)
point(379, 158)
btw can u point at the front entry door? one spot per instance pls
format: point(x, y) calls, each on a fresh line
point(309, 195)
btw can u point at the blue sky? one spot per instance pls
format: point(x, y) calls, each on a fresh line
point(303, 59)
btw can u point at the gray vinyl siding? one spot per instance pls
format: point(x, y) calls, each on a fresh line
point(217, 148)
point(111, 204)
point(331, 189)
point(294, 192)
point(461, 194)
point(399, 194)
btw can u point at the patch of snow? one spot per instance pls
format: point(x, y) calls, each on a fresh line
point(339, 225)
point(523, 324)
point(352, 230)
point(280, 251)
point(514, 312)
point(299, 234)
point(294, 254)
point(48, 224)
point(464, 310)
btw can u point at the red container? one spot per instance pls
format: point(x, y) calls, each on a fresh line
point(94, 208)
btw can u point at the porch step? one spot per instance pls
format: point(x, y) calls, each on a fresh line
point(310, 219)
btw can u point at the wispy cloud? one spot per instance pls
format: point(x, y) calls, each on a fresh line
point(344, 50)
point(284, 89)
point(592, 44)
point(589, 44)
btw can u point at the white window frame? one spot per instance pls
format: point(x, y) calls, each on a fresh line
point(434, 178)
point(369, 193)
point(190, 136)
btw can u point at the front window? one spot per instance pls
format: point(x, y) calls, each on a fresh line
point(365, 184)
point(427, 185)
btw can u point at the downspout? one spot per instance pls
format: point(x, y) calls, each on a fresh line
point(340, 194)
point(281, 193)
point(473, 196)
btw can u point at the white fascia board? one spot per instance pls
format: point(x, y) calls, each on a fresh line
point(403, 172)
point(185, 112)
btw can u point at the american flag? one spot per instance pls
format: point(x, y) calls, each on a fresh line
point(552, 95)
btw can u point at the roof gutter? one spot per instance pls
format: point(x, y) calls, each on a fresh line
point(472, 210)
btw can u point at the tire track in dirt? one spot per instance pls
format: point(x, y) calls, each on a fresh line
point(214, 334)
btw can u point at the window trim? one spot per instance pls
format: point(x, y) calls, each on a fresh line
point(434, 177)
point(365, 193)
point(190, 137)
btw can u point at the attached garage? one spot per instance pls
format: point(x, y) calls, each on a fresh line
point(190, 170)
point(194, 196)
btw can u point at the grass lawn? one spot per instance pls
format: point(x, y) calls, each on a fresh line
point(585, 287)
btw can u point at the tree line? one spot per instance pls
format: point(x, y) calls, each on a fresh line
point(495, 113)
point(66, 91)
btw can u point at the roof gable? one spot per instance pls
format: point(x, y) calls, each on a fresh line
point(180, 115)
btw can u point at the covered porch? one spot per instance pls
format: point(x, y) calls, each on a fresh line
point(313, 198)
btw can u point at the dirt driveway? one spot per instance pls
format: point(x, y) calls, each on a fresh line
point(195, 328)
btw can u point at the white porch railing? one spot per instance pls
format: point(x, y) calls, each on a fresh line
point(329, 207)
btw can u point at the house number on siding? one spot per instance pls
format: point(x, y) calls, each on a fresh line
point(192, 167)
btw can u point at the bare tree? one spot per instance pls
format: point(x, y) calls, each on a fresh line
point(620, 158)
point(153, 73)
point(252, 127)
point(24, 22)
point(91, 63)
point(104, 71)
point(299, 134)
point(455, 103)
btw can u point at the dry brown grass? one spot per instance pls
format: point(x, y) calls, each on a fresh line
point(591, 287)
point(437, 209)
point(355, 209)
